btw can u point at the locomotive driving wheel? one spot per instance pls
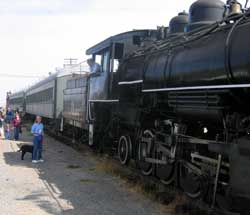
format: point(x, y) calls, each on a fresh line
point(124, 149)
point(145, 150)
point(165, 172)
point(189, 181)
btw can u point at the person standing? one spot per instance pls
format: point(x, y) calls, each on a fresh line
point(37, 131)
point(2, 126)
point(8, 120)
point(94, 67)
point(16, 125)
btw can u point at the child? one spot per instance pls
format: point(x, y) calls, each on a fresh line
point(7, 131)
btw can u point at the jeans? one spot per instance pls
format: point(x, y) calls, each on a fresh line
point(38, 148)
point(16, 133)
point(7, 135)
point(7, 131)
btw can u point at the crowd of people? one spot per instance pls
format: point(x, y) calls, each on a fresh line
point(10, 128)
point(10, 125)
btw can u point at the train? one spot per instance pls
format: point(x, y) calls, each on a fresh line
point(174, 99)
point(16, 101)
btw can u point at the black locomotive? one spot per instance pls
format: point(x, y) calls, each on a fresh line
point(180, 105)
point(176, 100)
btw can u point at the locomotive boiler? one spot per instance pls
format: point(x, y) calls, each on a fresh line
point(180, 105)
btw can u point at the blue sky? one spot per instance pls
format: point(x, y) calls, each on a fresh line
point(37, 35)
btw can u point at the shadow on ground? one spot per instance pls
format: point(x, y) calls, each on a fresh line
point(74, 186)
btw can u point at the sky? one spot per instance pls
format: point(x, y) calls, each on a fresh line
point(37, 35)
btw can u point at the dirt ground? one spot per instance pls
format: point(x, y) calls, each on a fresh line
point(66, 183)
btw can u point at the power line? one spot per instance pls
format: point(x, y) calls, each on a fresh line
point(20, 76)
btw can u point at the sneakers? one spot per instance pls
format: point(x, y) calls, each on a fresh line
point(37, 161)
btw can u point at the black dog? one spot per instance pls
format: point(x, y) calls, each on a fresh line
point(26, 148)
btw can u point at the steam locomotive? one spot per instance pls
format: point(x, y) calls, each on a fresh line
point(176, 100)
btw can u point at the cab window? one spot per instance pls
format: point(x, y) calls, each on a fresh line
point(116, 65)
point(105, 61)
point(98, 59)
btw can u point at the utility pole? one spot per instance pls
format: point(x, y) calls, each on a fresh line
point(8, 99)
point(70, 61)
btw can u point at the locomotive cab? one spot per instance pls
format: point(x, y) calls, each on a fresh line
point(108, 54)
point(103, 86)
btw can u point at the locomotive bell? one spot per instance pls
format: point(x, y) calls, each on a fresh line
point(234, 7)
point(205, 12)
point(178, 23)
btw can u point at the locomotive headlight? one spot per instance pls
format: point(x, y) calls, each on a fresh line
point(205, 130)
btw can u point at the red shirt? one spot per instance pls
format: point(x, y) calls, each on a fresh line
point(16, 122)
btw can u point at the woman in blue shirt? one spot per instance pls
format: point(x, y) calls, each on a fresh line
point(37, 131)
point(8, 120)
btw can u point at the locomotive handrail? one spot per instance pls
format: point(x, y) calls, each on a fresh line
point(228, 67)
point(170, 43)
point(188, 37)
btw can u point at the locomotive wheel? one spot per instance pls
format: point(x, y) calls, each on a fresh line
point(165, 172)
point(124, 149)
point(145, 149)
point(189, 182)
